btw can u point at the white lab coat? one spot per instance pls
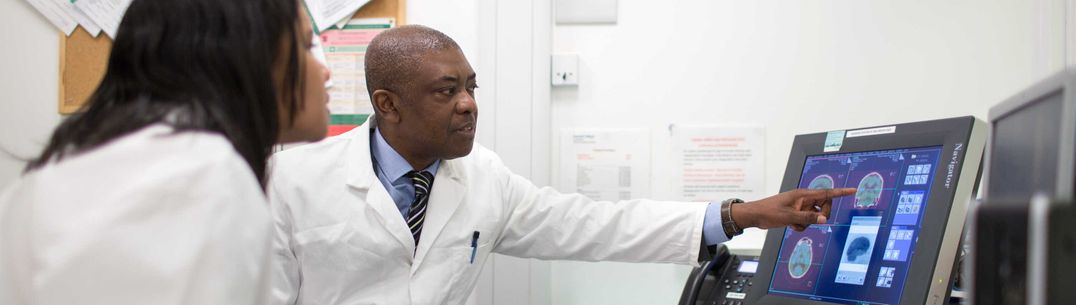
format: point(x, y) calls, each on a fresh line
point(345, 242)
point(154, 217)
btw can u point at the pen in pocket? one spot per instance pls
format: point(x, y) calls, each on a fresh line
point(474, 245)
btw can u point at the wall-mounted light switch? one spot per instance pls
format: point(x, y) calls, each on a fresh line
point(565, 70)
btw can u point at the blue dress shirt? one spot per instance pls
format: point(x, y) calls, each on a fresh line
point(390, 168)
point(712, 232)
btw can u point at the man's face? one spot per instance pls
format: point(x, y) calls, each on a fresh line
point(440, 114)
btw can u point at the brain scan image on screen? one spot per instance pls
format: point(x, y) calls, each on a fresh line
point(800, 261)
point(838, 262)
point(857, 251)
point(858, 247)
point(821, 182)
point(799, 266)
point(869, 192)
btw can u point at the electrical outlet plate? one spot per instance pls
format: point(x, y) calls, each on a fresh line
point(565, 70)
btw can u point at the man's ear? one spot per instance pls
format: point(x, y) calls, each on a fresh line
point(385, 103)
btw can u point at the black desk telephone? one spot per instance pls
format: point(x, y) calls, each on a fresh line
point(726, 280)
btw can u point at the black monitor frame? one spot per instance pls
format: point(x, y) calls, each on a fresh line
point(956, 178)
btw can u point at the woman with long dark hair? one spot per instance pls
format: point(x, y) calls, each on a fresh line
point(154, 192)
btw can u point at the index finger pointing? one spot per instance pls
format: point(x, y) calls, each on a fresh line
point(820, 194)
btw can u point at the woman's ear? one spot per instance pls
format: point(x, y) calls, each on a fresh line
point(385, 103)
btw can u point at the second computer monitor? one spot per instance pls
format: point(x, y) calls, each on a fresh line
point(1032, 146)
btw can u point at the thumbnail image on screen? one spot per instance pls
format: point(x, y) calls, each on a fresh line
point(861, 256)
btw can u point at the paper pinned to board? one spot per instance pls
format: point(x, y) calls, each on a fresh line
point(326, 13)
point(609, 164)
point(345, 55)
point(56, 13)
point(714, 163)
point(343, 22)
point(82, 19)
point(107, 14)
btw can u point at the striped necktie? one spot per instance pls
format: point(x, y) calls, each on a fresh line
point(423, 181)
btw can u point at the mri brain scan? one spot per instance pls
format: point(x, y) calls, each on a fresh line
point(857, 248)
point(821, 182)
point(800, 261)
point(869, 191)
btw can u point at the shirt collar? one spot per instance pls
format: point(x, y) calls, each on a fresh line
point(390, 162)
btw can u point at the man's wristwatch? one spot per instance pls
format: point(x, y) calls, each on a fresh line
point(731, 229)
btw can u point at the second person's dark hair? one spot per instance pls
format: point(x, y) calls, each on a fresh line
point(201, 65)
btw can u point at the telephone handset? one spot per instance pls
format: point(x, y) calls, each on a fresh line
point(725, 280)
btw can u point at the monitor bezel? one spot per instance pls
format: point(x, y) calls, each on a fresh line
point(1064, 83)
point(947, 133)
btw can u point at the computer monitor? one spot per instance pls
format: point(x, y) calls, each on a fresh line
point(1032, 144)
point(1020, 237)
point(896, 240)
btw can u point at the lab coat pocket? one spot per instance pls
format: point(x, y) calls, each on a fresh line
point(329, 248)
point(487, 236)
point(463, 272)
point(315, 246)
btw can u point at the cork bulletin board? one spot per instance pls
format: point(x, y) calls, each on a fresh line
point(83, 58)
point(82, 64)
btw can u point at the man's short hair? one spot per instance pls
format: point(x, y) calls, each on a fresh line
point(395, 55)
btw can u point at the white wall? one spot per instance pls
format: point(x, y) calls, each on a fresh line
point(456, 18)
point(515, 41)
point(793, 67)
point(29, 65)
point(1070, 31)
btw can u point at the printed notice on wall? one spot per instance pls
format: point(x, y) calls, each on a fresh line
point(610, 164)
point(345, 55)
point(713, 163)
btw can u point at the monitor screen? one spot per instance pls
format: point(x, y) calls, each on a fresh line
point(1024, 151)
point(863, 254)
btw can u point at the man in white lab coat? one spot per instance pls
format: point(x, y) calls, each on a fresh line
point(405, 209)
